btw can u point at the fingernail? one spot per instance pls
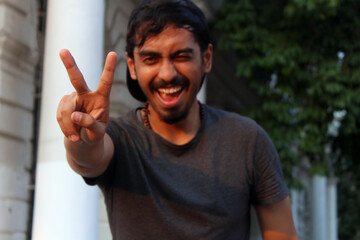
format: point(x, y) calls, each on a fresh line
point(73, 138)
point(77, 117)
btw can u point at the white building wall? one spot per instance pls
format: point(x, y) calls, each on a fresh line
point(18, 59)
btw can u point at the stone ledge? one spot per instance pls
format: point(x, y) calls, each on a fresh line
point(18, 5)
point(13, 216)
point(16, 92)
point(18, 33)
point(14, 185)
point(12, 236)
point(15, 154)
point(15, 122)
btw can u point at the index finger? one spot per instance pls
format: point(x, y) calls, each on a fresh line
point(76, 77)
point(107, 76)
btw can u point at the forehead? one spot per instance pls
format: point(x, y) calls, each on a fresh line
point(171, 37)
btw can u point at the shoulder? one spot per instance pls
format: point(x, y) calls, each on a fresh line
point(238, 130)
point(230, 121)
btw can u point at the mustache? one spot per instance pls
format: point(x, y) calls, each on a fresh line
point(176, 81)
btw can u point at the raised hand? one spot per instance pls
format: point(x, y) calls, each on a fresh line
point(83, 115)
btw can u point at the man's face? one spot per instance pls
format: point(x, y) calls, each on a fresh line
point(169, 68)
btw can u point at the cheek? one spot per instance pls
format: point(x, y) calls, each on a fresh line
point(144, 75)
point(195, 74)
point(190, 70)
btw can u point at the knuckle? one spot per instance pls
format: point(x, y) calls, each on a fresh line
point(65, 131)
point(64, 112)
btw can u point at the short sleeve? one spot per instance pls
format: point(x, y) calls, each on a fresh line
point(269, 183)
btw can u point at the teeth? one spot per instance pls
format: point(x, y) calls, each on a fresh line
point(169, 90)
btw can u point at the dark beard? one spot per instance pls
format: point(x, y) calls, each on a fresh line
point(175, 117)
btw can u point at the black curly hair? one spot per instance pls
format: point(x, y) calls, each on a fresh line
point(151, 16)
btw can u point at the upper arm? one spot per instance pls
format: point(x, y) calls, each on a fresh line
point(276, 221)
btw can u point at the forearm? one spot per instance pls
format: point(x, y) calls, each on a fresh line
point(89, 160)
point(273, 235)
point(276, 221)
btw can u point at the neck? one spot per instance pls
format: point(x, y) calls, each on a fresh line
point(178, 133)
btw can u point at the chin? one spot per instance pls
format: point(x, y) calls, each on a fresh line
point(175, 117)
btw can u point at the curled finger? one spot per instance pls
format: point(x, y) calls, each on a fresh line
point(91, 129)
point(63, 115)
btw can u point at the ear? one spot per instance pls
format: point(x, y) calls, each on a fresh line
point(207, 55)
point(131, 66)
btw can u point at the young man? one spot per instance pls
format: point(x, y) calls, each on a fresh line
point(175, 168)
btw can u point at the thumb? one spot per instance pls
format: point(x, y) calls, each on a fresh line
point(91, 130)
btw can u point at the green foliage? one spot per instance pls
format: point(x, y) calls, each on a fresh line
point(288, 52)
point(302, 58)
point(349, 186)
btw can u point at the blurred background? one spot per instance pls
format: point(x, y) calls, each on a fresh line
point(292, 65)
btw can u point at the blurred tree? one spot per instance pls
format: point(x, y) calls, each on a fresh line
point(302, 58)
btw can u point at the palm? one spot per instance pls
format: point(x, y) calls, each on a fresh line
point(97, 107)
point(93, 104)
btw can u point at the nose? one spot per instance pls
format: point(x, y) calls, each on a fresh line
point(167, 70)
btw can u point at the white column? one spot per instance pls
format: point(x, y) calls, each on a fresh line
point(295, 207)
point(65, 208)
point(255, 232)
point(319, 208)
point(202, 93)
point(332, 209)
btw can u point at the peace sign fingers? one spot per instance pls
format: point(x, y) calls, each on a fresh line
point(107, 76)
point(76, 78)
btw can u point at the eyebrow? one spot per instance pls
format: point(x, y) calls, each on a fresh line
point(157, 54)
point(185, 50)
point(149, 53)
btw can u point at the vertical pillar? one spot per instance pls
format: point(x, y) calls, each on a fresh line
point(65, 208)
point(295, 207)
point(202, 93)
point(255, 231)
point(332, 209)
point(319, 208)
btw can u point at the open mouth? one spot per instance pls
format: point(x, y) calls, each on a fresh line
point(170, 95)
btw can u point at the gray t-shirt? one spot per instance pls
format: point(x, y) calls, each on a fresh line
point(201, 190)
